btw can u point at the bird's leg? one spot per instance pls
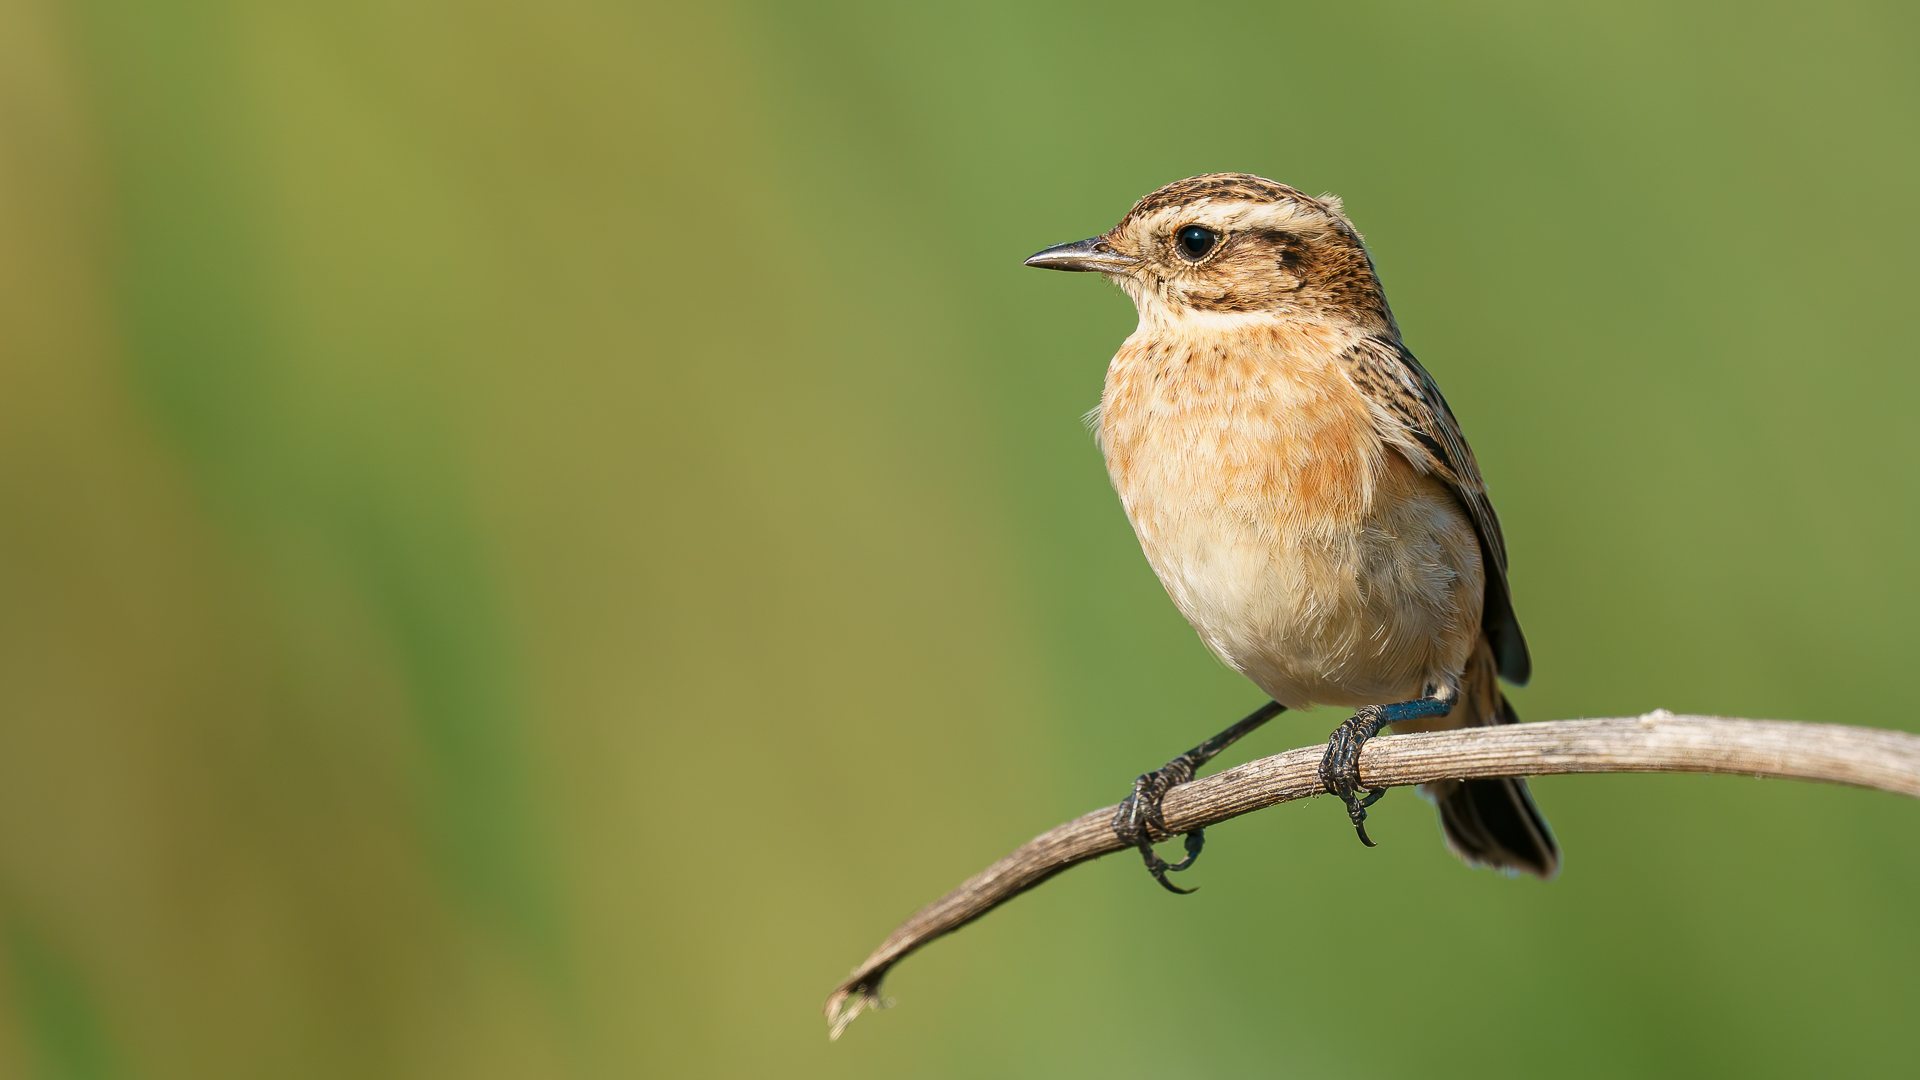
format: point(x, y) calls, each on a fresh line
point(1340, 767)
point(1139, 822)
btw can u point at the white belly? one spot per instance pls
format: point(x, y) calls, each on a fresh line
point(1372, 614)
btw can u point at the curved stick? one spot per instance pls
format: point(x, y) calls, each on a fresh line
point(1656, 742)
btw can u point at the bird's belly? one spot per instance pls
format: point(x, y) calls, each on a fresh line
point(1323, 608)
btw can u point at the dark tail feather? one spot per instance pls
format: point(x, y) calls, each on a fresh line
point(1494, 823)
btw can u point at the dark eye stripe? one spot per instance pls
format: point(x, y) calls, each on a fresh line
point(1196, 240)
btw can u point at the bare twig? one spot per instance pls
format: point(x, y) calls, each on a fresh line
point(1656, 742)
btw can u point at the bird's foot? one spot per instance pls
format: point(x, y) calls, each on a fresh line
point(1340, 767)
point(1140, 823)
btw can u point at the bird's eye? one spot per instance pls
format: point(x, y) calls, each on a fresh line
point(1197, 240)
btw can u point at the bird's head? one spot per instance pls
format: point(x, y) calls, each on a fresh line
point(1232, 244)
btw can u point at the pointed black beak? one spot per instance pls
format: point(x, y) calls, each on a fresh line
point(1094, 255)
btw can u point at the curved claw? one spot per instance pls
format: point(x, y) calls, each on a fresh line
point(1360, 825)
point(1192, 842)
point(1160, 875)
point(1357, 810)
point(1160, 867)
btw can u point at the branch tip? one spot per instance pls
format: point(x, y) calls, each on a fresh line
point(850, 1001)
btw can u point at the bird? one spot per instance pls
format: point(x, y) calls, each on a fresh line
point(1305, 495)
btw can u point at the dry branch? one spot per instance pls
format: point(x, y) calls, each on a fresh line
point(1656, 742)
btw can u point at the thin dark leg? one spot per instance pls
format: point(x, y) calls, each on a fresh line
point(1340, 767)
point(1139, 822)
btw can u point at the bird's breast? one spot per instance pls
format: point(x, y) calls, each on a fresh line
point(1260, 425)
point(1307, 553)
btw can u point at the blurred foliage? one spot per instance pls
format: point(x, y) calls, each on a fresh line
point(531, 534)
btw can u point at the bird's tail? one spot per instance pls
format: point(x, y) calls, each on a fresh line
point(1492, 823)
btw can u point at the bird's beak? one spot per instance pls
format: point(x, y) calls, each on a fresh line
point(1095, 255)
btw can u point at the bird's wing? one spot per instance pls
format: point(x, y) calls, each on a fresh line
point(1410, 414)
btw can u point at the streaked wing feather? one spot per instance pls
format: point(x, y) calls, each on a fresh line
point(1411, 414)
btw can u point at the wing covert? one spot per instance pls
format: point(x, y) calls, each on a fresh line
point(1411, 415)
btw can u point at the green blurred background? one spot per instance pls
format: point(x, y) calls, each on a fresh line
point(533, 533)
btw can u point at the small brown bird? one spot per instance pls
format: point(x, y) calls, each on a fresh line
point(1305, 495)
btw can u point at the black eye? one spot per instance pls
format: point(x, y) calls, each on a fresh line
point(1197, 240)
